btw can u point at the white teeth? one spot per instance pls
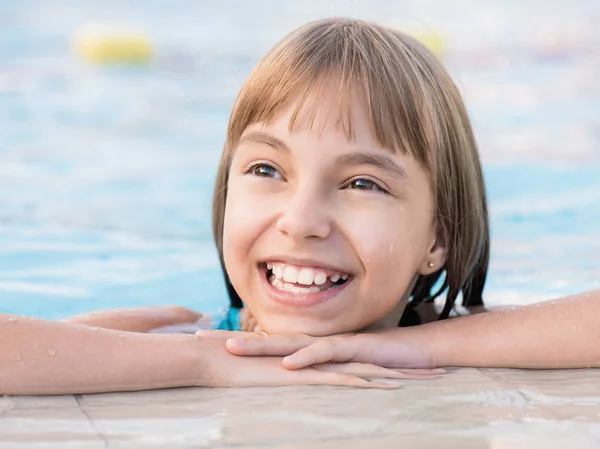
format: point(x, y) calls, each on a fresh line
point(285, 276)
point(306, 276)
point(320, 278)
point(289, 288)
point(290, 274)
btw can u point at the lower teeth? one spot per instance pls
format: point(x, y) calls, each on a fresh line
point(280, 285)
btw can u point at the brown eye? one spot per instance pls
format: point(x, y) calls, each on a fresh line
point(365, 184)
point(264, 171)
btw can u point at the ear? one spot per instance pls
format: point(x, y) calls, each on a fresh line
point(435, 258)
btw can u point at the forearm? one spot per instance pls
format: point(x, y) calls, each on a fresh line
point(563, 333)
point(138, 319)
point(43, 357)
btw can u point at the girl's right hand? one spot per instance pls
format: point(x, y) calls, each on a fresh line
point(224, 369)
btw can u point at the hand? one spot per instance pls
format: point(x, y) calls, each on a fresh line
point(302, 351)
point(139, 319)
point(224, 369)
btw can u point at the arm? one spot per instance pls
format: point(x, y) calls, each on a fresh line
point(563, 333)
point(138, 319)
point(43, 357)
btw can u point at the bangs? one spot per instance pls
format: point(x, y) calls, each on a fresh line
point(388, 76)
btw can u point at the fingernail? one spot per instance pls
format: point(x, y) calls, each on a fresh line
point(203, 333)
point(291, 358)
point(239, 342)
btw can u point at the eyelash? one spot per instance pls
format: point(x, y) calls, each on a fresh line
point(375, 187)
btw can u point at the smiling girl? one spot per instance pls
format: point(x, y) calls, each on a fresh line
point(350, 184)
point(348, 197)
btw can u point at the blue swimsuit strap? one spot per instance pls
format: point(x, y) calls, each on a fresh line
point(231, 322)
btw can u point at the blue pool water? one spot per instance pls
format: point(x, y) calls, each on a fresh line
point(106, 172)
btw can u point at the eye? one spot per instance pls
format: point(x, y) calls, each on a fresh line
point(263, 171)
point(366, 184)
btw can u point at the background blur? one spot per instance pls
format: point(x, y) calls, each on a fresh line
point(106, 171)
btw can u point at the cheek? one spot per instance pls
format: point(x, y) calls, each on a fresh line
point(244, 222)
point(237, 228)
point(391, 241)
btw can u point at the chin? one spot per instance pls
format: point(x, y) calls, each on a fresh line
point(293, 326)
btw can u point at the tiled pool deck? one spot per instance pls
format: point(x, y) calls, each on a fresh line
point(466, 408)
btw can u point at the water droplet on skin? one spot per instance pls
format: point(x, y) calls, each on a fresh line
point(13, 319)
point(51, 352)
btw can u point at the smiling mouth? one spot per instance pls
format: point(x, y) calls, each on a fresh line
point(303, 280)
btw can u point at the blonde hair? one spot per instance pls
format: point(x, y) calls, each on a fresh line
point(414, 108)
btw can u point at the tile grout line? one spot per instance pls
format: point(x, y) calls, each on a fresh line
point(83, 407)
point(503, 383)
point(10, 407)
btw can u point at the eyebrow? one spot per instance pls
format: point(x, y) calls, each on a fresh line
point(265, 139)
point(380, 161)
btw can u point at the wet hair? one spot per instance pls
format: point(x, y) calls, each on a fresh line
point(414, 108)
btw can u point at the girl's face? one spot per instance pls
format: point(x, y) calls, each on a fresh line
point(325, 235)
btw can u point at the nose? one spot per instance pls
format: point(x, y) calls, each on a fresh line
point(305, 215)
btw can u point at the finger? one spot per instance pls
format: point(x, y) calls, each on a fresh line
point(346, 380)
point(421, 370)
point(322, 351)
point(223, 335)
point(272, 345)
point(369, 371)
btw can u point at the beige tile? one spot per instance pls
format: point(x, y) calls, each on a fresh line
point(466, 408)
point(386, 442)
point(6, 403)
point(44, 402)
point(47, 428)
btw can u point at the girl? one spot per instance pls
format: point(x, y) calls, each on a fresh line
point(349, 188)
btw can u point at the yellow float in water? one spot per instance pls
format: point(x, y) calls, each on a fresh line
point(102, 45)
point(433, 40)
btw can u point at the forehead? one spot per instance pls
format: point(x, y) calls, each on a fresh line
point(323, 115)
point(359, 107)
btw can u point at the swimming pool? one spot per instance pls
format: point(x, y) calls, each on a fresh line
point(107, 171)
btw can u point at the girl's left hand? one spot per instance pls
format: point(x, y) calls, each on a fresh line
point(383, 349)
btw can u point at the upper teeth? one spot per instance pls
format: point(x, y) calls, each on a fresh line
point(303, 275)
